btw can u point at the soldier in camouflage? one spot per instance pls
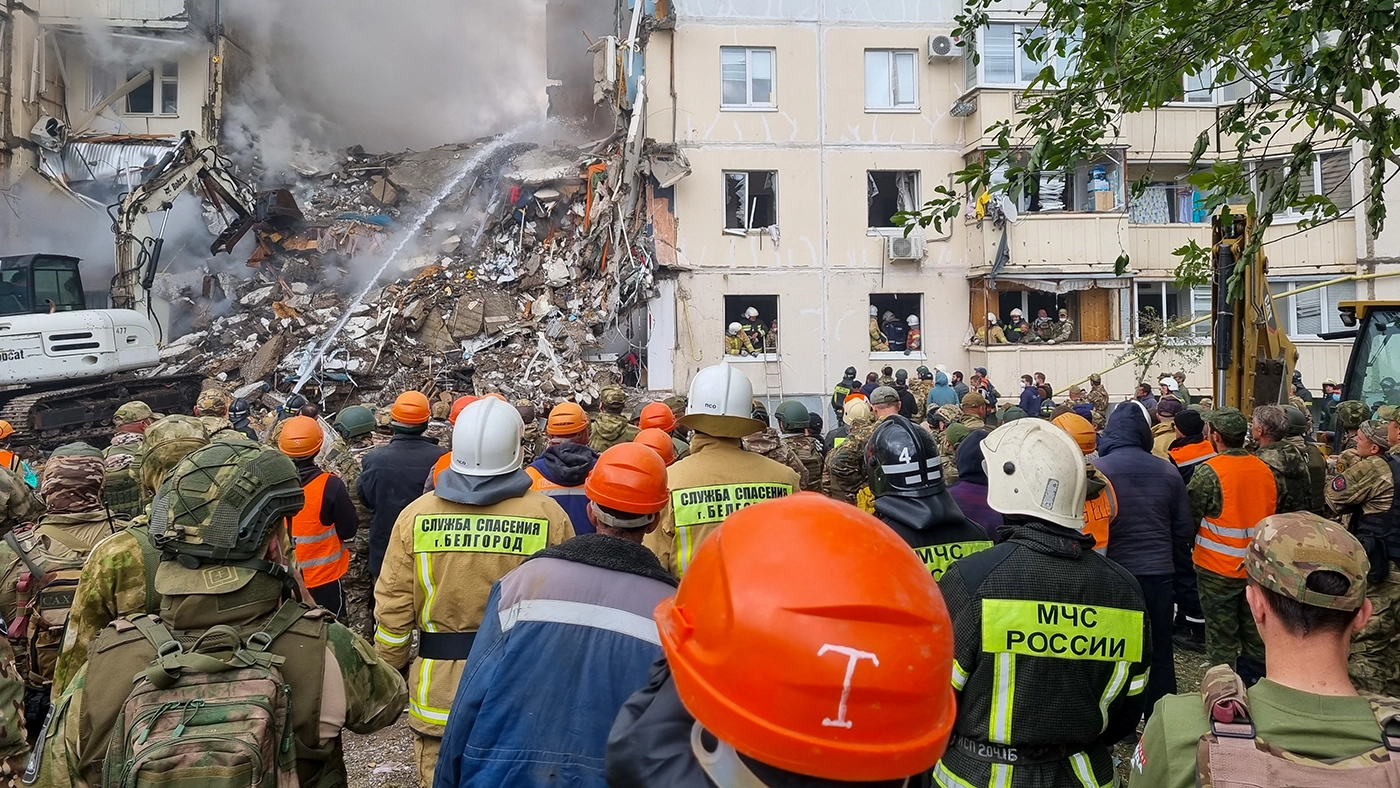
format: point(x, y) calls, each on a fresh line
point(355, 425)
point(856, 413)
point(920, 389)
point(1269, 427)
point(18, 505)
point(535, 441)
point(116, 580)
point(770, 444)
point(123, 485)
point(1364, 495)
point(1348, 417)
point(212, 408)
point(794, 419)
point(1098, 397)
point(334, 676)
point(1317, 461)
point(846, 465)
point(611, 426)
point(974, 411)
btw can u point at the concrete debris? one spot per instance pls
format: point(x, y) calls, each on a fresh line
point(511, 287)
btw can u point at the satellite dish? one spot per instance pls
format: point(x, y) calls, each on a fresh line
point(1008, 208)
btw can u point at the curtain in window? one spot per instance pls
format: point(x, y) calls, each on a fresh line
point(1151, 207)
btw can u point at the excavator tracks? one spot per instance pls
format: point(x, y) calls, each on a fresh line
point(50, 418)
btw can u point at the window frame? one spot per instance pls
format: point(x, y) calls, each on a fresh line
point(1291, 215)
point(746, 229)
point(899, 355)
point(159, 80)
point(743, 301)
point(1200, 301)
point(978, 77)
point(892, 55)
point(749, 105)
point(1329, 320)
point(876, 230)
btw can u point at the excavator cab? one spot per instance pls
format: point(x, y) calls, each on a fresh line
point(1373, 372)
point(39, 284)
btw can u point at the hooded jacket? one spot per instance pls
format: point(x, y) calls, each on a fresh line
point(391, 477)
point(540, 691)
point(1141, 537)
point(1030, 400)
point(941, 394)
point(934, 526)
point(560, 473)
point(970, 492)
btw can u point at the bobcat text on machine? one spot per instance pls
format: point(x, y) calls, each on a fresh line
point(65, 368)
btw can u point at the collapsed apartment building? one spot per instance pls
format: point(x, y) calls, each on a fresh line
point(503, 265)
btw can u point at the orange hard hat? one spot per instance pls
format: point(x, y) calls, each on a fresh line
point(629, 478)
point(497, 395)
point(658, 415)
point(459, 404)
point(411, 409)
point(808, 636)
point(851, 396)
point(1078, 428)
point(567, 418)
point(6, 429)
point(301, 437)
point(658, 440)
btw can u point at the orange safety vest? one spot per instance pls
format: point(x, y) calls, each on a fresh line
point(443, 463)
point(322, 557)
point(542, 485)
point(1099, 511)
point(10, 460)
point(1248, 495)
point(1192, 454)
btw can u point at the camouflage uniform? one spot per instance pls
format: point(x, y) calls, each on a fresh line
point(845, 466)
point(610, 427)
point(17, 505)
point(1098, 397)
point(18, 502)
point(808, 451)
point(920, 389)
point(535, 442)
point(123, 485)
point(358, 585)
point(1290, 467)
point(771, 445)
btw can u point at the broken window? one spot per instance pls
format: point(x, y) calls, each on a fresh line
point(163, 86)
point(891, 81)
point(754, 334)
point(746, 77)
point(895, 322)
point(750, 200)
point(888, 192)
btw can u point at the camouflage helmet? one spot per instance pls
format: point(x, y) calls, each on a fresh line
point(212, 402)
point(1351, 413)
point(950, 414)
point(214, 515)
point(76, 449)
point(73, 483)
point(355, 421)
point(1297, 421)
point(131, 412)
point(613, 399)
point(167, 442)
point(793, 415)
point(1288, 548)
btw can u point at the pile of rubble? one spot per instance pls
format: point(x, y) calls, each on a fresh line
point(507, 286)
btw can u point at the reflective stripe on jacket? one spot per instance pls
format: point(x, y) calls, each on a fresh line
point(1192, 454)
point(322, 557)
point(1248, 495)
point(572, 499)
point(1099, 511)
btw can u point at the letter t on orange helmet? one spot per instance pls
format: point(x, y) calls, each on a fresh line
point(658, 415)
point(807, 635)
point(301, 437)
point(411, 409)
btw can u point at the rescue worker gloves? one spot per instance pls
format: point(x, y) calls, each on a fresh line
point(458, 405)
point(567, 418)
point(721, 403)
point(411, 409)
point(354, 421)
point(901, 459)
point(793, 416)
point(486, 440)
point(1036, 470)
point(630, 478)
point(659, 442)
point(301, 437)
point(657, 415)
point(807, 635)
point(1080, 429)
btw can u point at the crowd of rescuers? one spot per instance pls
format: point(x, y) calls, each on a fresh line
point(696, 594)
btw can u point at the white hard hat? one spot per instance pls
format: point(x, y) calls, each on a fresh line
point(751, 313)
point(888, 315)
point(991, 317)
point(874, 311)
point(734, 328)
point(913, 320)
point(1035, 469)
point(487, 439)
point(720, 403)
point(1017, 311)
point(1170, 383)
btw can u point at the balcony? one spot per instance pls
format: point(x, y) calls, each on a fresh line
point(1322, 248)
point(150, 14)
point(1054, 243)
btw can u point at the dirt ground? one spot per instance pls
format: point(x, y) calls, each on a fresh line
point(385, 759)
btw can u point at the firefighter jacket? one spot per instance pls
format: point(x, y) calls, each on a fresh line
point(716, 480)
point(935, 527)
point(442, 559)
point(1051, 653)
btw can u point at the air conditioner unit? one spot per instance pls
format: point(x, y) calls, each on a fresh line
point(942, 46)
point(900, 248)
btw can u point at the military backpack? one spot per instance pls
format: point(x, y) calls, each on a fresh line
point(1230, 755)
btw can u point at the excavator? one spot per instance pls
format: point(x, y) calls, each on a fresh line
point(66, 368)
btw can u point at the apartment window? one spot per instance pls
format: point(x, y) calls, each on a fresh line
point(1330, 176)
point(1165, 302)
point(750, 200)
point(897, 333)
point(159, 95)
point(757, 335)
point(1313, 312)
point(891, 80)
point(1006, 61)
point(746, 76)
point(1090, 186)
point(888, 192)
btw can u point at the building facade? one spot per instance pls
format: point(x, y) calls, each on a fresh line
point(809, 123)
